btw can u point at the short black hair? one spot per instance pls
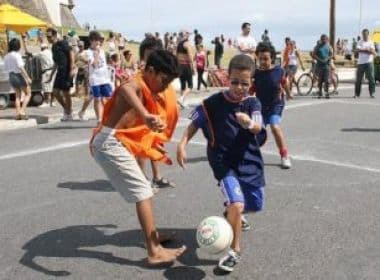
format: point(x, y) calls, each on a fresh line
point(324, 36)
point(149, 43)
point(266, 47)
point(14, 45)
point(287, 39)
point(365, 30)
point(241, 62)
point(245, 24)
point(51, 30)
point(114, 57)
point(94, 36)
point(164, 62)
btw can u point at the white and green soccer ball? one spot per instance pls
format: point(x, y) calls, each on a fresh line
point(214, 235)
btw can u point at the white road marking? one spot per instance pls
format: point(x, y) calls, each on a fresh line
point(44, 150)
point(306, 158)
point(69, 145)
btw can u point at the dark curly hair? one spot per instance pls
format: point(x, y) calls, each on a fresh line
point(266, 47)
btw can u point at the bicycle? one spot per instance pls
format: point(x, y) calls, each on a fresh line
point(308, 80)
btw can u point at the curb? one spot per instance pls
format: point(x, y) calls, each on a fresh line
point(35, 121)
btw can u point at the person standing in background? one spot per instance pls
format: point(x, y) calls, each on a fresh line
point(366, 52)
point(245, 43)
point(18, 78)
point(218, 52)
point(64, 65)
point(46, 60)
point(200, 60)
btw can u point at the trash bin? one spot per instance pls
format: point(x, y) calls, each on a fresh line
point(377, 68)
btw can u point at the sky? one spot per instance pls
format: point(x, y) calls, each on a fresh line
point(303, 20)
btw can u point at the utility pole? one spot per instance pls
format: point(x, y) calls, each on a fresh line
point(332, 23)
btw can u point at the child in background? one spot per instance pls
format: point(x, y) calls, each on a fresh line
point(269, 85)
point(200, 61)
point(99, 77)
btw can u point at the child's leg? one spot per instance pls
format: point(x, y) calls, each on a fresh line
point(98, 108)
point(234, 201)
point(127, 178)
point(280, 140)
point(87, 99)
point(234, 215)
point(156, 253)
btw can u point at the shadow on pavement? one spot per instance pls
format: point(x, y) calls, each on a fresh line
point(80, 241)
point(184, 272)
point(97, 185)
point(356, 129)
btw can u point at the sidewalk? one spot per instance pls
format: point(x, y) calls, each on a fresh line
point(38, 116)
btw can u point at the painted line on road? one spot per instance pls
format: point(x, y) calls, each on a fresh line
point(306, 158)
point(44, 150)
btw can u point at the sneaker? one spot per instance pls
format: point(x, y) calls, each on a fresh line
point(67, 118)
point(228, 262)
point(286, 163)
point(372, 95)
point(53, 104)
point(82, 116)
point(327, 96)
point(162, 183)
point(245, 226)
point(319, 94)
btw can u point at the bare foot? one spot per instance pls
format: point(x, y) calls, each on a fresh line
point(165, 256)
point(163, 238)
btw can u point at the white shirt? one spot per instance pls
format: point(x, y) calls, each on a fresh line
point(98, 75)
point(245, 42)
point(364, 57)
point(13, 62)
point(46, 59)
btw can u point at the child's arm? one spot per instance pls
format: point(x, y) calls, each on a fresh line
point(254, 126)
point(189, 133)
point(130, 95)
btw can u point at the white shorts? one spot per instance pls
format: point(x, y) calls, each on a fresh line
point(120, 167)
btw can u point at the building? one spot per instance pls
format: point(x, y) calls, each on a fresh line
point(55, 12)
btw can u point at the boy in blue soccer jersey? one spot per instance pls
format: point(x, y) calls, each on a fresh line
point(269, 86)
point(232, 124)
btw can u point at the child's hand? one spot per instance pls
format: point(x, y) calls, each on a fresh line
point(243, 119)
point(154, 122)
point(181, 156)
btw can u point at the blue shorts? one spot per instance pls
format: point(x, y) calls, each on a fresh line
point(235, 191)
point(272, 115)
point(101, 91)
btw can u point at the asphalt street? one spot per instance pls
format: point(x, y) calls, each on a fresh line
point(60, 217)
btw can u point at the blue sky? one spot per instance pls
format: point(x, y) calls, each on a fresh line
point(303, 20)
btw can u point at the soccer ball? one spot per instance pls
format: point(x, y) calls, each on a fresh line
point(214, 235)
